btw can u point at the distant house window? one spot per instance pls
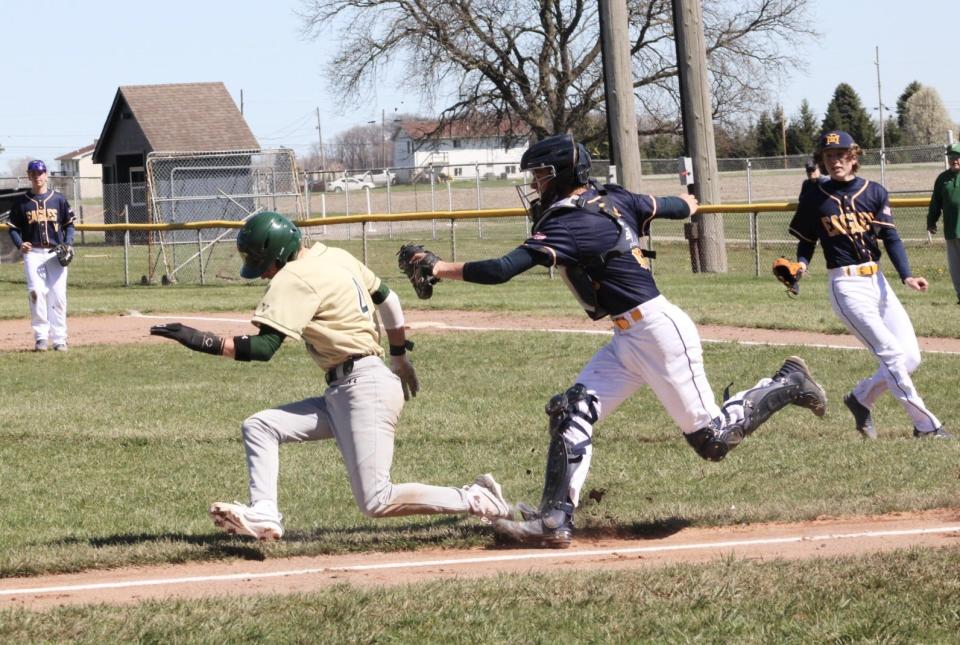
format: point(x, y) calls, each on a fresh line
point(457, 143)
point(409, 147)
point(511, 170)
point(458, 172)
point(138, 186)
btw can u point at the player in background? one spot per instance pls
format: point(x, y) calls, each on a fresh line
point(591, 233)
point(849, 216)
point(327, 299)
point(945, 199)
point(40, 220)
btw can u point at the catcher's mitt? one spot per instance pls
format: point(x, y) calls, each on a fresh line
point(420, 270)
point(789, 273)
point(64, 254)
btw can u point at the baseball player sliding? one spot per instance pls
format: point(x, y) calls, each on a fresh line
point(848, 215)
point(592, 234)
point(326, 298)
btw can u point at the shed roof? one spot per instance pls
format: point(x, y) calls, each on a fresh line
point(183, 117)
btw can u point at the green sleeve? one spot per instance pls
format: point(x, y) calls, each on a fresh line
point(936, 204)
point(261, 347)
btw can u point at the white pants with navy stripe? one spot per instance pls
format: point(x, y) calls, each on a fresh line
point(47, 294)
point(662, 351)
point(871, 311)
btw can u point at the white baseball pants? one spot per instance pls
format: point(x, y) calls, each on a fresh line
point(47, 295)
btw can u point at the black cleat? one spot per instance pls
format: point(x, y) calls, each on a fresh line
point(535, 533)
point(939, 433)
point(862, 417)
point(811, 395)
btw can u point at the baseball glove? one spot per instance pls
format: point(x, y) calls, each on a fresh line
point(419, 270)
point(64, 254)
point(789, 273)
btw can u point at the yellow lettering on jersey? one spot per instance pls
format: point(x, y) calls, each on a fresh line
point(641, 259)
point(42, 214)
point(846, 223)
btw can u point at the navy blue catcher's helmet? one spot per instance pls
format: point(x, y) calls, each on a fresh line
point(569, 160)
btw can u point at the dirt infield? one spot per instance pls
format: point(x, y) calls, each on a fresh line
point(823, 537)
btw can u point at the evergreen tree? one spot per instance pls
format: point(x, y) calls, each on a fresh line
point(802, 131)
point(909, 91)
point(769, 134)
point(846, 112)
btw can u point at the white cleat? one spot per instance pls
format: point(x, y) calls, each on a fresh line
point(239, 519)
point(485, 498)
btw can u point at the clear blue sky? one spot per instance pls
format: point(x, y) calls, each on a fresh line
point(65, 60)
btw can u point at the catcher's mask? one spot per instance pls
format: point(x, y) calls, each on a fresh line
point(568, 163)
point(266, 238)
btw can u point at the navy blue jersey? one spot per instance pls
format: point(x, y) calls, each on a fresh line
point(571, 236)
point(41, 220)
point(847, 218)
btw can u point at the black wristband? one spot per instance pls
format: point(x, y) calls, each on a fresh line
point(206, 342)
point(241, 348)
point(400, 350)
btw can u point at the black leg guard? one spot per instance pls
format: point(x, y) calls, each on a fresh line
point(572, 414)
point(713, 443)
point(791, 384)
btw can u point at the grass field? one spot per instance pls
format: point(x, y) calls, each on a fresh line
point(122, 448)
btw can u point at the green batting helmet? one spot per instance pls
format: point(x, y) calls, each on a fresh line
point(264, 239)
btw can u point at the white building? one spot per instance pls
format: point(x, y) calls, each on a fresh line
point(462, 151)
point(79, 163)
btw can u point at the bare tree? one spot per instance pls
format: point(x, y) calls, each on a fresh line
point(537, 62)
point(926, 120)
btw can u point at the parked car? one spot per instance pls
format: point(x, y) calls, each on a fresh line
point(382, 178)
point(349, 183)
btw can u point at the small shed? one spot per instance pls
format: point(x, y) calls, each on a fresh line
point(194, 117)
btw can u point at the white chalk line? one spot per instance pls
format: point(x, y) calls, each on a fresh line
point(593, 332)
point(413, 564)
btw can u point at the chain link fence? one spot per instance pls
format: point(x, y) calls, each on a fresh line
point(198, 188)
point(189, 187)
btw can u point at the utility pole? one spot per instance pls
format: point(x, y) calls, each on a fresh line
point(883, 141)
point(323, 163)
point(708, 252)
point(383, 132)
point(618, 87)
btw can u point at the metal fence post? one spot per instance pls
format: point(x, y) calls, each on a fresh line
point(476, 170)
point(755, 226)
point(433, 199)
point(200, 254)
point(386, 173)
point(363, 234)
point(749, 182)
point(126, 245)
point(453, 240)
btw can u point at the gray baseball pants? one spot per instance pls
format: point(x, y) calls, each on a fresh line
point(360, 411)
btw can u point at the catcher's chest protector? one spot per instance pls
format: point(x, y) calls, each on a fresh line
point(584, 278)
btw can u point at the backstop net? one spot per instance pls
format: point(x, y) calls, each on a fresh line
point(231, 185)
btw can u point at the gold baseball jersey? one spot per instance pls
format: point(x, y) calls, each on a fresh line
point(323, 298)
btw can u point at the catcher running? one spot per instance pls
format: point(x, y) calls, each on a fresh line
point(591, 234)
point(327, 299)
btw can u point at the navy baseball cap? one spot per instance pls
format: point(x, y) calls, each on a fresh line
point(954, 150)
point(37, 166)
point(836, 139)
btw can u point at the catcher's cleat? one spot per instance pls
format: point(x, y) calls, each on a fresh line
point(861, 416)
point(239, 519)
point(939, 433)
point(535, 532)
point(811, 395)
point(485, 498)
point(41, 346)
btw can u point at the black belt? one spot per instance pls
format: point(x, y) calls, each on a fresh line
point(344, 369)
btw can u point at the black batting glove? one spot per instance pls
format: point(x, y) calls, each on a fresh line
point(198, 341)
